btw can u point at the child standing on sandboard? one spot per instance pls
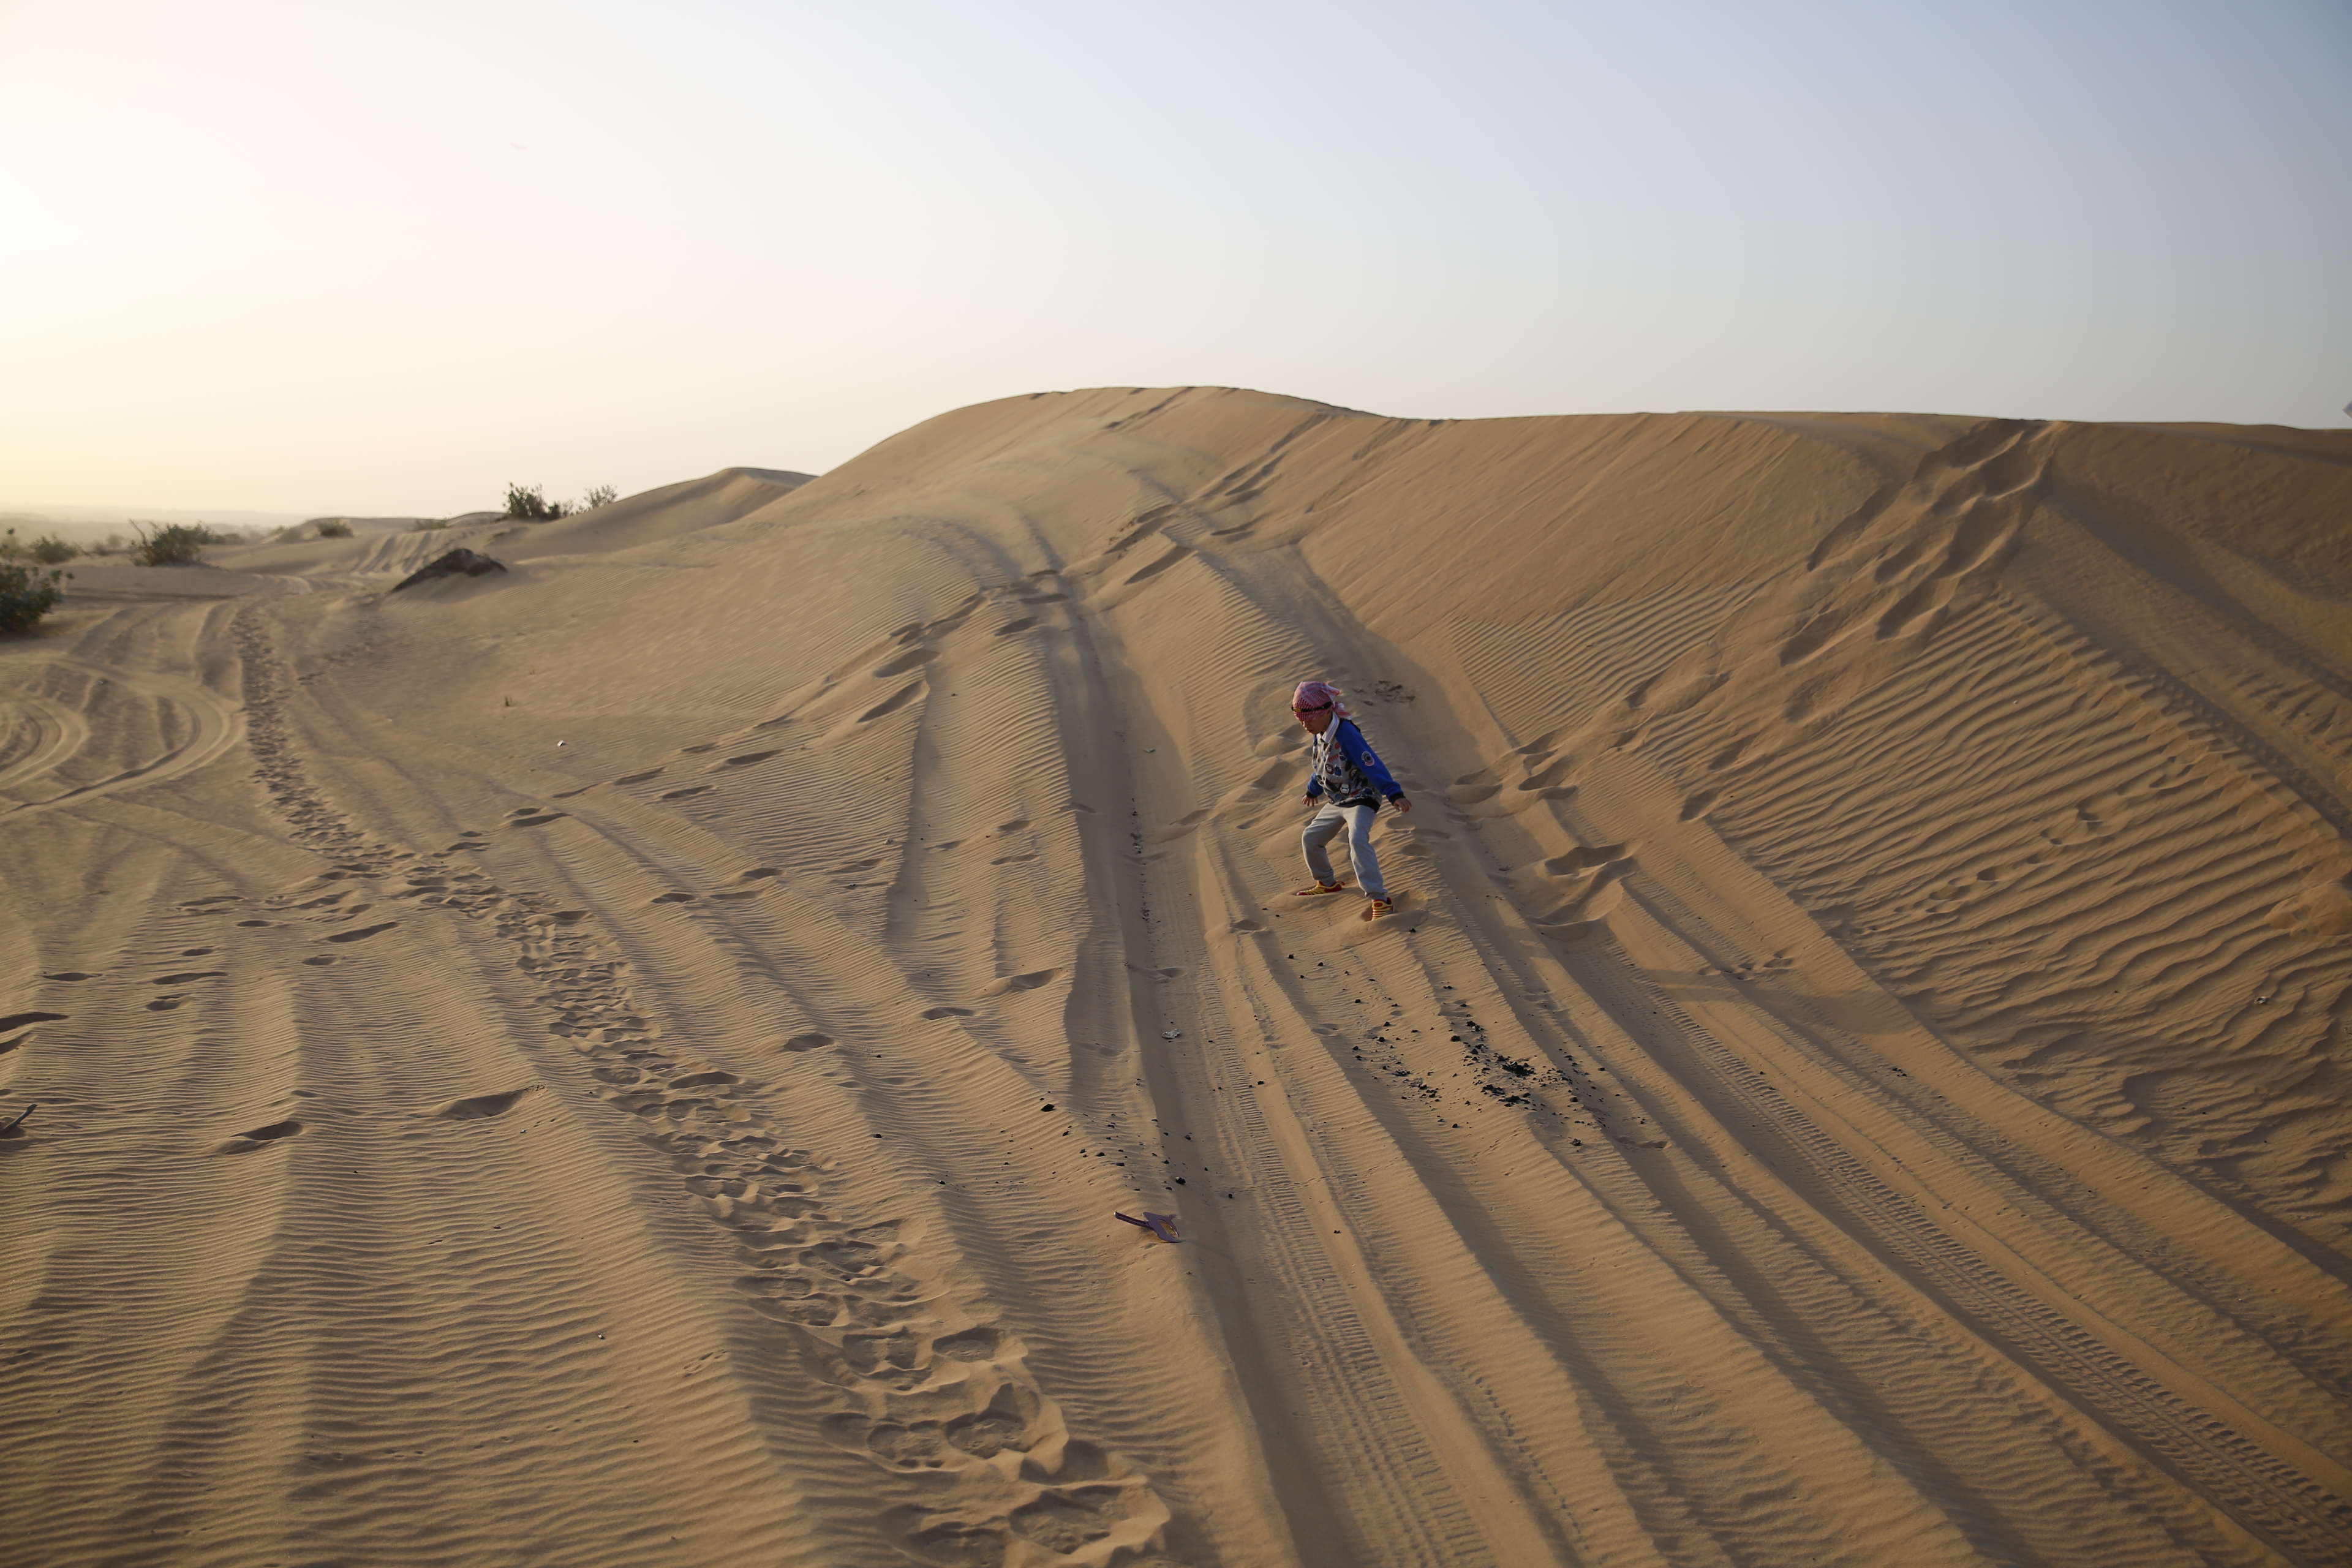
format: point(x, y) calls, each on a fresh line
point(1350, 781)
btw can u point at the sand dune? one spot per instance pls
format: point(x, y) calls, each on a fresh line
point(634, 1059)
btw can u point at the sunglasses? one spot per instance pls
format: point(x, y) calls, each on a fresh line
point(1319, 708)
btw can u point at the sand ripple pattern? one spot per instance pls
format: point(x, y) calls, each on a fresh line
point(1856, 1074)
point(931, 1393)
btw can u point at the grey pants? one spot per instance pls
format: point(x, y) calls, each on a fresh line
point(1357, 820)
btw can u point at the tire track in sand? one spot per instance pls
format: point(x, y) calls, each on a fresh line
point(51, 732)
point(2263, 1492)
point(214, 725)
point(977, 1468)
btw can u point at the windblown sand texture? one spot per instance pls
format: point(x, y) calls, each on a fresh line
point(632, 1061)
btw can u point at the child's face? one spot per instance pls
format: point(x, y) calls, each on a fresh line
point(1315, 719)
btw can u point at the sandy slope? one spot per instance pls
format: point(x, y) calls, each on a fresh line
point(631, 1061)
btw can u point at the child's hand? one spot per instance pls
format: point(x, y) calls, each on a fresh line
point(1402, 804)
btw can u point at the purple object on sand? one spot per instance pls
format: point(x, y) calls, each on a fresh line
point(1162, 1226)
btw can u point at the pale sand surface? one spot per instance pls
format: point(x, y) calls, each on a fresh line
point(1857, 1075)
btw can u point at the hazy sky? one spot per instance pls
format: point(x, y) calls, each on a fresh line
point(366, 256)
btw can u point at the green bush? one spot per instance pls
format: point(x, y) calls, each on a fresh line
point(428, 525)
point(174, 545)
point(334, 528)
point(598, 495)
point(531, 505)
point(26, 592)
point(49, 550)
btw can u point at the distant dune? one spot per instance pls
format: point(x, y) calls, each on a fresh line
point(634, 1059)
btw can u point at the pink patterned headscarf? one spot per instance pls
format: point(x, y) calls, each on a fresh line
point(1315, 693)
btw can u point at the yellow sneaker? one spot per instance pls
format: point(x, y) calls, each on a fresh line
point(1318, 890)
point(1380, 907)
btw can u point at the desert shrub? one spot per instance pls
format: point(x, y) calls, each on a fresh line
point(174, 545)
point(49, 550)
point(26, 592)
point(529, 503)
point(428, 525)
point(334, 528)
point(598, 495)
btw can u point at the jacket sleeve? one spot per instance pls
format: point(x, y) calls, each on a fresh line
point(1359, 752)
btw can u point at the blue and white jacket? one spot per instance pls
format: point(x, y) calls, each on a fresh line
point(1348, 771)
